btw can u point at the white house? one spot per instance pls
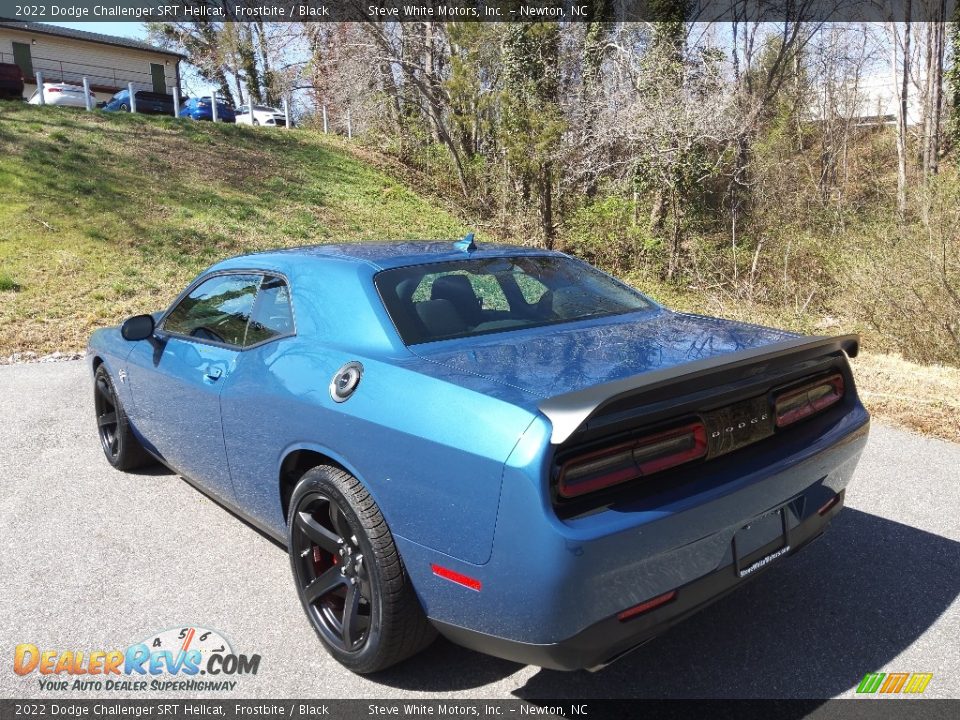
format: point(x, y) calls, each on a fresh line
point(67, 55)
point(872, 100)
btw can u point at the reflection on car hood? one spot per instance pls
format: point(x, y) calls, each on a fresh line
point(551, 360)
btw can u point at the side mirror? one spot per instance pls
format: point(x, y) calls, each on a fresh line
point(138, 327)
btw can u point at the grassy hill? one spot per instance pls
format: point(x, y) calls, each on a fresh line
point(107, 215)
point(104, 215)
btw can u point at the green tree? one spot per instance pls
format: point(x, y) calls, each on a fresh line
point(531, 116)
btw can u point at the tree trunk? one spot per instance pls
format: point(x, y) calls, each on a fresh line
point(903, 89)
point(933, 93)
point(546, 205)
point(658, 213)
point(248, 63)
point(270, 92)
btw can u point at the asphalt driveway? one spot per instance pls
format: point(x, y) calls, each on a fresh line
point(97, 559)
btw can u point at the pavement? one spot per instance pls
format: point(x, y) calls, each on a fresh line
point(95, 559)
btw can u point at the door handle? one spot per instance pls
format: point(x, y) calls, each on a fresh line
point(213, 374)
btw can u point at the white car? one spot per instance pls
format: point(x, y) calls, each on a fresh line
point(63, 95)
point(261, 115)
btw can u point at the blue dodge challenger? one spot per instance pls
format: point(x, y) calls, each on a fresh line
point(500, 444)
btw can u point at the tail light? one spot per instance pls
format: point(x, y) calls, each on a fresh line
point(53, 90)
point(647, 606)
point(628, 461)
point(808, 400)
point(828, 505)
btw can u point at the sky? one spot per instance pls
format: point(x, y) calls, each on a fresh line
point(121, 29)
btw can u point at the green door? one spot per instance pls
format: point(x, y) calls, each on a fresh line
point(159, 78)
point(21, 56)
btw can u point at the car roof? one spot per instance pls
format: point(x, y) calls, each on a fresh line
point(384, 255)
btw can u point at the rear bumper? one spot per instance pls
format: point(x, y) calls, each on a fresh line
point(611, 638)
point(552, 588)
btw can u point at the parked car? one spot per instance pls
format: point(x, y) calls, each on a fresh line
point(62, 94)
point(11, 82)
point(149, 103)
point(501, 444)
point(261, 115)
point(202, 109)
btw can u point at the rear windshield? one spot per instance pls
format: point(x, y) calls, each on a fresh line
point(486, 295)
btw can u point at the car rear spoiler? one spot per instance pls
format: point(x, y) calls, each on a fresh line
point(569, 411)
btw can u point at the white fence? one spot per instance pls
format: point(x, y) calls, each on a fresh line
point(176, 101)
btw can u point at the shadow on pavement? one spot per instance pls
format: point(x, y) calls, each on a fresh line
point(808, 628)
point(445, 667)
point(152, 470)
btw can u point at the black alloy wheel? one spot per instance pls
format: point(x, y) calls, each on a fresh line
point(105, 403)
point(349, 576)
point(334, 580)
point(120, 445)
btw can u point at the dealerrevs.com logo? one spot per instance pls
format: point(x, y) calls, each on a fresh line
point(178, 659)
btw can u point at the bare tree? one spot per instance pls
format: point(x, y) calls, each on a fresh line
point(422, 73)
point(935, 51)
point(900, 65)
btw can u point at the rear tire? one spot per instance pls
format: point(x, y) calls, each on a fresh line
point(349, 576)
point(120, 445)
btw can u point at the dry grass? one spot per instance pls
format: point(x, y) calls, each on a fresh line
point(925, 398)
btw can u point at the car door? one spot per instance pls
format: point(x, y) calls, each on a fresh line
point(177, 377)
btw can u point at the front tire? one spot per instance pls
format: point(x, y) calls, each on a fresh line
point(349, 576)
point(120, 445)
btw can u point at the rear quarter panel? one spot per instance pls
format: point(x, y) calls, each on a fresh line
point(430, 452)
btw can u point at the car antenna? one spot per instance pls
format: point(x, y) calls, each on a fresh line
point(466, 244)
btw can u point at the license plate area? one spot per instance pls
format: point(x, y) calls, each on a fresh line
point(760, 542)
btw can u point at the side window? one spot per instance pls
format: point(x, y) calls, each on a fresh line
point(217, 309)
point(272, 316)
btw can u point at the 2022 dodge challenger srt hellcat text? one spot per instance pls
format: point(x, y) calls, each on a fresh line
point(501, 444)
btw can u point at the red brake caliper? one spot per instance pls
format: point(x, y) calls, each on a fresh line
point(320, 562)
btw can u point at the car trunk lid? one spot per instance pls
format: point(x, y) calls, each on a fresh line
point(559, 359)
